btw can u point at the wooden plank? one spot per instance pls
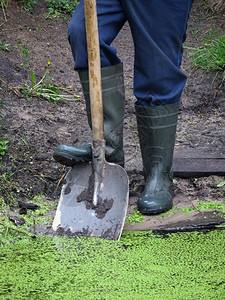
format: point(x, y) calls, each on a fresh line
point(198, 162)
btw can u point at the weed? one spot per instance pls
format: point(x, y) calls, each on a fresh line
point(28, 4)
point(135, 217)
point(4, 47)
point(3, 148)
point(205, 205)
point(2, 100)
point(4, 5)
point(40, 215)
point(45, 89)
point(32, 217)
point(7, 186)
point(200, 206)
point(136, 135)
point(38, 31)
point(3, 141)
point(221, 184)
point(57, 7)
point(25, 54)
point(135, 186)
point(210, 54)
point(140, 266)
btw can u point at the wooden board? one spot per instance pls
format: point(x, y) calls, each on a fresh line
point(198, 162)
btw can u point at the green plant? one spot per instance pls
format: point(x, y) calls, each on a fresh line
point(25, 54)
point(3, 147)
point(4, 47)
point(221, 184)
point(7, 186)
point(57, 7)
point(205, 205)
point(38, 216)
point(140, 266)
point(210, 54)
point(200, 206)
point(4, 5)
point(28, 4)
point(45, 89)
point(3, 141)
point(2, 101)
point(135, 186)
point(135, 217)
point(32, 218)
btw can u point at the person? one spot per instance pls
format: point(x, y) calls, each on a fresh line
point(158, 30)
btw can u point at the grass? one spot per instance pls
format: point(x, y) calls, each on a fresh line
point(4, 46)
point(210, 54)
point(140, 266)
point(3, 147)
point(28, 4)
point(200, 206)
point(3, 140)
point(30, 220)
point(221, 184)
point(4, 5)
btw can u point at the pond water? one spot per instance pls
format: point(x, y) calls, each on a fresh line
point(140, 266)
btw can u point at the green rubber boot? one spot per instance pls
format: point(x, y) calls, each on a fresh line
point(157, 130)
point(113, 109)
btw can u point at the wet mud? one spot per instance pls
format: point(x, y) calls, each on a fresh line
point(103, 205)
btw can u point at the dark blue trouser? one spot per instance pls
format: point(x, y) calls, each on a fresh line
point(158, 28)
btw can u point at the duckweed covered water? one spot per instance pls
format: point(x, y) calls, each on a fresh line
point(140, 266)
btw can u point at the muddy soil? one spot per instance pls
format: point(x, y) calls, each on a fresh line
point(35, 127)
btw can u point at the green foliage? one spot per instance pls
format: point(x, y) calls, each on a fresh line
point(39, 216)
point(210, 54)
point(200, 206)
point(57, 7)
point(221, 184)
point(4, 5)
point(32, 218)
point(139, 266)
point(3, 140)
point(4, 47)
point(205, 205)
point(3, 148)
point(28, 4)
point(2, 100)
point(46, 89)
point(135, 217)
point(25, 51)
point(6, 186)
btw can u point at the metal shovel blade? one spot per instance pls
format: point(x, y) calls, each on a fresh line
point(94, 199)
point(76, 214)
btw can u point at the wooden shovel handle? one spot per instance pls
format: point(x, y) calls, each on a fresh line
point(94, 65)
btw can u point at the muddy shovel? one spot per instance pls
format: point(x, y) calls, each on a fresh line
point(94, 198)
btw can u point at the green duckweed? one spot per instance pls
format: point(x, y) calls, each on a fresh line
point(140, 266)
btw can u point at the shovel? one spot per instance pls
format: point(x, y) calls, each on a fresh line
point(94, 198)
